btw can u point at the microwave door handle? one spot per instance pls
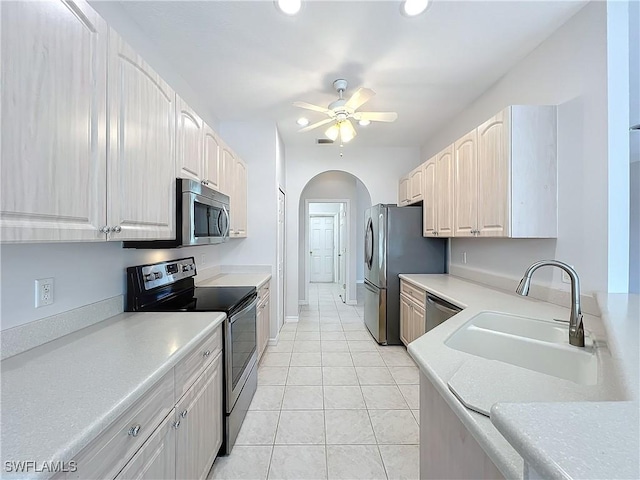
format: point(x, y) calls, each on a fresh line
point(226, 213)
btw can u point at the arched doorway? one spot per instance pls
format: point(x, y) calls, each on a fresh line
point(331, 212)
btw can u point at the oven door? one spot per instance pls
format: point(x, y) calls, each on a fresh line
point(204, 221)
point(240, 350)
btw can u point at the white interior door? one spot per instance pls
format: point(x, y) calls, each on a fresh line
point(280, 259)
point(321, 243)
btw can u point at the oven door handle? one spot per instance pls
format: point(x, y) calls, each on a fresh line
point(234, 317)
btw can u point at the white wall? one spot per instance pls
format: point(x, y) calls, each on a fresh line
point(377, 168)
point(83, 273)
point(568, 69)
point(281, 168)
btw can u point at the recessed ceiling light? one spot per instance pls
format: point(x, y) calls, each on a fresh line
point(289, 7)
point(411, 8)
point(364, 123)
point(303, 122)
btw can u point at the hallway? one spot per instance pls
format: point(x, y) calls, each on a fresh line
point(331, 403)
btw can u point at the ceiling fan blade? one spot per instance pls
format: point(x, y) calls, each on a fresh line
point(309, 106)
point(315, 125)
point(359, 98)
point(376, 116)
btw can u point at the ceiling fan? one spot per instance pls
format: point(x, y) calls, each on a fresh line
point(341, 111)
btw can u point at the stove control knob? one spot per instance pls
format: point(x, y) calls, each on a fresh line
point(148, 277)
point(158, 274)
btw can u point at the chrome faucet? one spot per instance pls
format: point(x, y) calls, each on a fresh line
point(576, 330)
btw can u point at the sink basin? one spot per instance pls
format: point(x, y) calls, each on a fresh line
point(539, 345)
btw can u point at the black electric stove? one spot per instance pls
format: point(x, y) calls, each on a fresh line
point(170, 287)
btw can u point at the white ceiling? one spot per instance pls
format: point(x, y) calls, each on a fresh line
point(249, 61)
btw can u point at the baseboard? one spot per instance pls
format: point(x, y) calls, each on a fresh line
point(303, 302)
point(291, 319)
point(274, 341)
point(360, 281)
point(539, 291)
point(33, 334)
point(352, 302)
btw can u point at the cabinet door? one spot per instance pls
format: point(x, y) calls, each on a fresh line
point(141, 167)
point(405, 320)
point(212, 164)
point(430, 194)
point(189, 142)
point(444, 196)
point(53, 95)
point(199, 431)
point(238, 203)
point(226, 174)
point(403, 191)
point(416, 185)
point(418, 323)
point(156, 459)
point(466, 185)
point(266, 322)
point(260, 330)
point(493, 176)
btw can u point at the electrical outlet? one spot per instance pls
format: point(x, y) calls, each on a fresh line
point(464, 257)
point(565, 276)
point(203, 259)
point(44, 292)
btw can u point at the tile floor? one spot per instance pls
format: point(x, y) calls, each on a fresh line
point(331, 403)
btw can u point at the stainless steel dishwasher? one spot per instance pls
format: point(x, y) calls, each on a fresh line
point(438, 311)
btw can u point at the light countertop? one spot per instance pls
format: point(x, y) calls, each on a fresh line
point(439, 364)
point(236, 280)
point(58, 397)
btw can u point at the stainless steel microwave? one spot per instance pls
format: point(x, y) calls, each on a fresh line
point(202, 217)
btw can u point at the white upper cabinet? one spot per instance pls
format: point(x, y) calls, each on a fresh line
point(227, 163)
point(465, 168)
point(141, 167)
point(415, 178)
point(444, 192)
point(411, 187)
point(239, 200)
point(430, 194)
point(189, 142)
point(53, 93)
point(212, 163)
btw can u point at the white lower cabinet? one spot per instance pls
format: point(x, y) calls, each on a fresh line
point(156, 459)
point(263, 319)
point(166, 434)
point(198, 424)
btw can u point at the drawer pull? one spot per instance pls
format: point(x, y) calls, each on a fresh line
point(133, 431)
point(184, 413)
point(176, 424)
point(206, 354)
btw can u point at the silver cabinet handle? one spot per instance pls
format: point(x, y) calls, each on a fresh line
point(206, 354)
point(117, 229)
point(133, 431)
point(105, 229)
point(183, 413)
point(176, 424)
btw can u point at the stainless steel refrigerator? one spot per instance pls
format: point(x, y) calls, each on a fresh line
point(393, 244)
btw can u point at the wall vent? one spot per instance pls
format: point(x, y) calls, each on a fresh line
point(324, 141)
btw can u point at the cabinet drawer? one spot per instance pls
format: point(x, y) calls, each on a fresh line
point(412, 292)
point(107, 454)
point(263, 292)
point(190, 368)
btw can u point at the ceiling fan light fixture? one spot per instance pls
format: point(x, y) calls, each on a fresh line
point(303, 121)
point(347, 132)
point(332, 132)
point(364, 123)
point(289, 7)
point(412, 8)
